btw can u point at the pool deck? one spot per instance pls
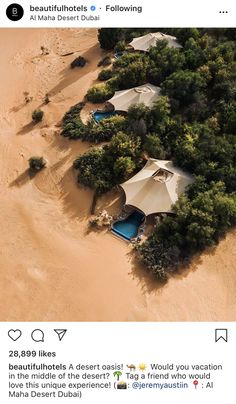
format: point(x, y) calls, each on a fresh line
point(120, 235)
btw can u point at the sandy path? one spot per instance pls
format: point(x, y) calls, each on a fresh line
point(52, 268)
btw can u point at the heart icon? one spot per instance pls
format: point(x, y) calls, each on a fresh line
point(14, 334)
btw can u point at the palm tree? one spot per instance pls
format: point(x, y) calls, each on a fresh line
point(117, 374)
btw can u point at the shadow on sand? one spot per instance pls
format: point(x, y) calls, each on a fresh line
point(18, 108)
point(23, 178)
point(76, 146)
point(194, 262)
point(26, 128)
point(76, 199)
point(146, 281)
point(70, 76)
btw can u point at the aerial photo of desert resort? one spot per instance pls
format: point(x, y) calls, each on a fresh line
point(118, 174)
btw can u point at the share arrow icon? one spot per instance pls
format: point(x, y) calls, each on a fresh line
point(60, 333)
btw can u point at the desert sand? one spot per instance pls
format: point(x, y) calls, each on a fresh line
point(52, 267)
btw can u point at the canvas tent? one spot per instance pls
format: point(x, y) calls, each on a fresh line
point(146, 94)
point(145, 42)
point(156, 187)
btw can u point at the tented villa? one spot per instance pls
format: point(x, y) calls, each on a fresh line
point(153, 190)
point(122, 100)
point(145, 42)
point(146, 94)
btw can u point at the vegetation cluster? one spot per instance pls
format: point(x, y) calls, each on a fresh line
point(193, 123)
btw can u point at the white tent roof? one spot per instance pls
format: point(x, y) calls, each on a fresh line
point(156, 187)
point(144, 43)
point(146, 94)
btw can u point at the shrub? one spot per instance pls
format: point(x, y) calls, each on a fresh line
point(126, 59)
point(27, 97)
point(37, 115)
point(80, 61)
point(99, 93)
point(123, 145)
point(159, 259)
point(105, 130)
point(105, 74)
point(106, 61)
point(120, 46)
point(44, 51)
point(93, 222)
point(36, 163)
point(72, 125)
point(102, 168)
point(95, 132)
point(46, 99)
point(94, 171)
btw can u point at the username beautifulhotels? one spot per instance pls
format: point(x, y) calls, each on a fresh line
point(83, 9)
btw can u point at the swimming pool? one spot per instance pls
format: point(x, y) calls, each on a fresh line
point(128, 227)
point(99, 115)
point(118, 55)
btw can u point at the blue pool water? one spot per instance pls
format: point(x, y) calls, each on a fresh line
point(118, 55)
point(128, 228)
point(98, 116)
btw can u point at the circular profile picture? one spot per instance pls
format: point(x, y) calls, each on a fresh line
point(14, 12)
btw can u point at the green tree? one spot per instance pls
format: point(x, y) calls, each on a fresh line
point(120, 46)
point(195, 56)
point(109, 37)
point(133, 75)
point(154, 147)
point(184, 86)
point(164, 60)
point(126, 59)
point(37, 115)
point(105, 74)
point(123, 168)
point(102, 168)
point(93, 170)
point(183, 34)
point(36, 163)
point(137, 118)
point(159, 116)
point(105, 130)
point(99, 93)
point(72, 125)
point(117, 374)
point(137, 111)
point(123, 145)
point(228, 117)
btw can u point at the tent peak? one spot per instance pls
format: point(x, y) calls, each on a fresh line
point(143, 89)
point(162, 175)
point(156, 187)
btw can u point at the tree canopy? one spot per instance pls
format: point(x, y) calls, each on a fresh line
point(193, 123)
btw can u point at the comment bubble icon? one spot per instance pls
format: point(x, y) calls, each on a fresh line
point(37, 335)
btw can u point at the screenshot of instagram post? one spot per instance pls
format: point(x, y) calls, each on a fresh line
point(117, 202)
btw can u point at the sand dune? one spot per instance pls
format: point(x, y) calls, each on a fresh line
point(52, 268)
